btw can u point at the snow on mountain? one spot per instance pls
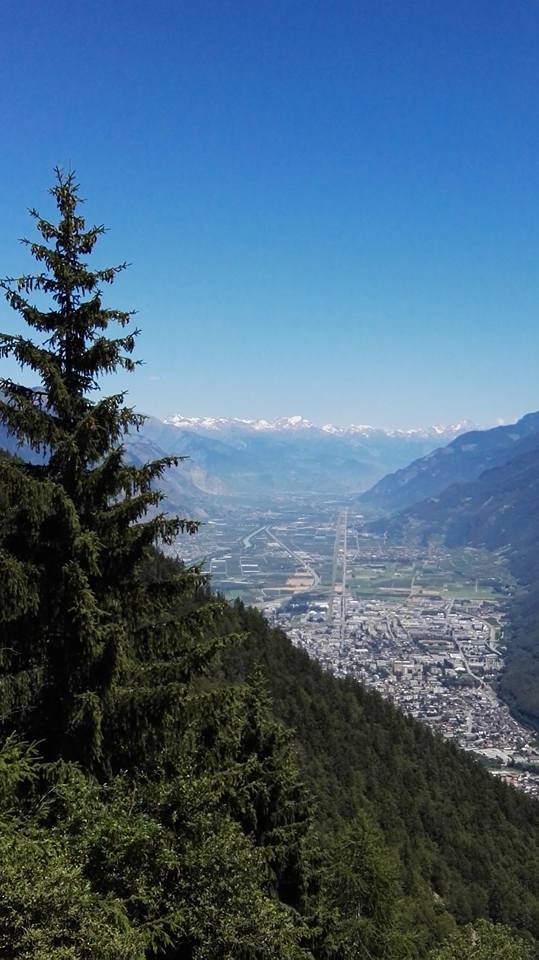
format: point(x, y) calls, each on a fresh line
point(297, 422)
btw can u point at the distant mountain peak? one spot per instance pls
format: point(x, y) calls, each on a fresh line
point(463, 426)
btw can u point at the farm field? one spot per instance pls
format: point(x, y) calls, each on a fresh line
point(297, 555)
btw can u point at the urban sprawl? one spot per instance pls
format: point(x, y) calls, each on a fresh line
point(424, 627)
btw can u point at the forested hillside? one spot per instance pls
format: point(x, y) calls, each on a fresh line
point(176, 781)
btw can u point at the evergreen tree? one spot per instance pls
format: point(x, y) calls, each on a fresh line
point(75, 527)
point(361, 885)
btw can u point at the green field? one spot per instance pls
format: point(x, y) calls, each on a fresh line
point(253, 555)
point(459, 574)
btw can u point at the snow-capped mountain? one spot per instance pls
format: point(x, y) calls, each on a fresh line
point(297, 423)
point(223, 423)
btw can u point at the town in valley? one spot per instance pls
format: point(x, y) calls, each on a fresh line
point(423, 625)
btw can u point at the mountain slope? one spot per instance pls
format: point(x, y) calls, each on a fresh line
point(462, 460)
point(188, 488)
point(499, 511)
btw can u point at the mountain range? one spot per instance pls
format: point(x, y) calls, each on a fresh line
point(461, 461)
point(233, 460)
point(297, 423)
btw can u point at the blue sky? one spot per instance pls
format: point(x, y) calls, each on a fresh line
point(330, 208)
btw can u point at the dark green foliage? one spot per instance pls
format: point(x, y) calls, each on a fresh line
point(361, 887)
point(73, 528)
point(124, 871)
point(484, 941)
point(48, 908)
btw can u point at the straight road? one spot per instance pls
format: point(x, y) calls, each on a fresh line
point(341, 544)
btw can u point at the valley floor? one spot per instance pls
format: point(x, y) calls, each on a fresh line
point(424, 627)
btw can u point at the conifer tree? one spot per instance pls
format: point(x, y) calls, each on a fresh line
point(74, 527)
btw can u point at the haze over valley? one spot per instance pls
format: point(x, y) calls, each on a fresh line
point(261, 460)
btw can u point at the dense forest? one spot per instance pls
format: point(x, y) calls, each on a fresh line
point(176, 780)
point(519, 684)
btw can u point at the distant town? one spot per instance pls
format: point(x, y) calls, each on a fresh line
point(423, 626)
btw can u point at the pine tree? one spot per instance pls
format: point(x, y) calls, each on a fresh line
point(75, 527)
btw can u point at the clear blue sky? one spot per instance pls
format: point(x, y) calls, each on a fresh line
point(331, 208)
